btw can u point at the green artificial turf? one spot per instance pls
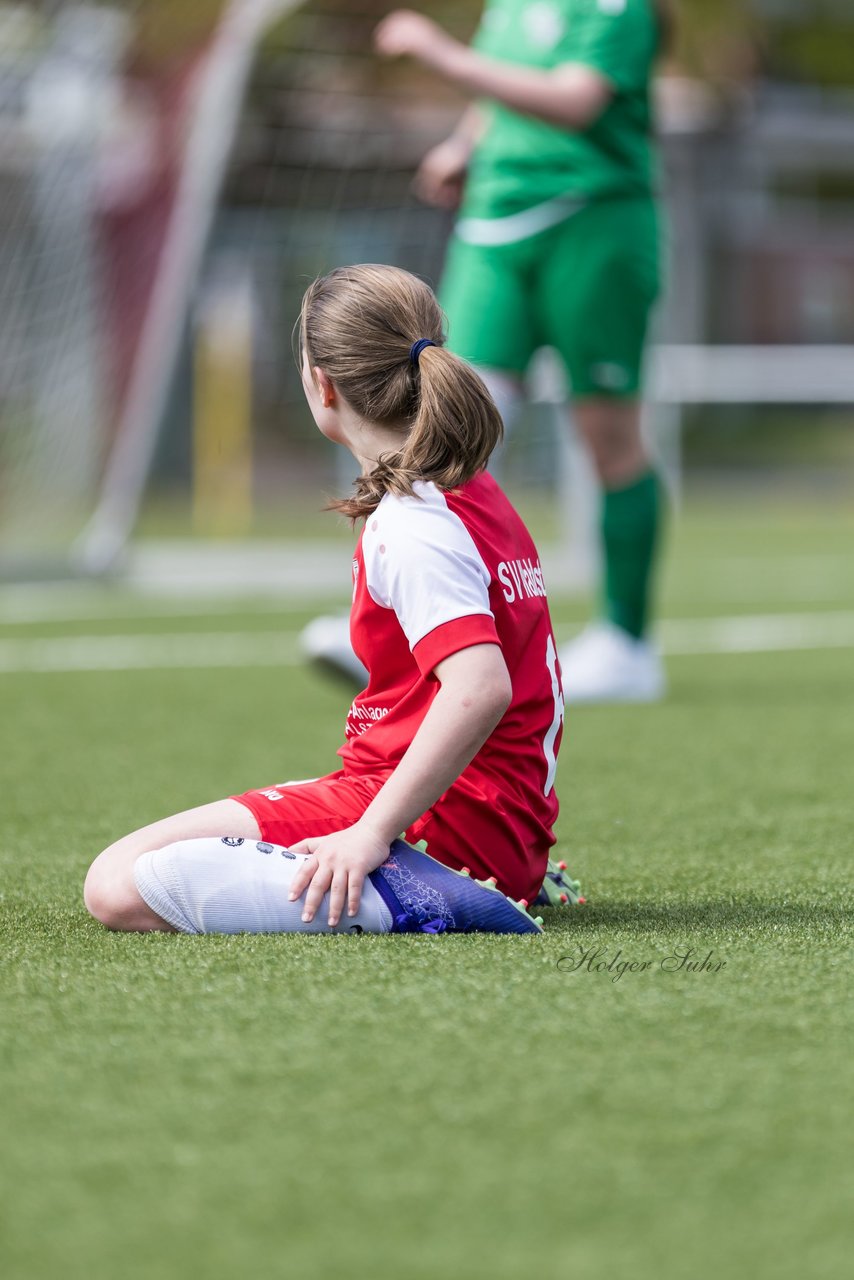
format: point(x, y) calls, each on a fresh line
point(461, 1106)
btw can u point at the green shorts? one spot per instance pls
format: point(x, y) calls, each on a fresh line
point(585, 287)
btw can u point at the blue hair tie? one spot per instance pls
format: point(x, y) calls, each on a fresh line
point(417, 347)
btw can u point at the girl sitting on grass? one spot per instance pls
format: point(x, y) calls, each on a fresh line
point(455, 739)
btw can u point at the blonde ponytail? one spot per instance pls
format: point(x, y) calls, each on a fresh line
point(359, 325)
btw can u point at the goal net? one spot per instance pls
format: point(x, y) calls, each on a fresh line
point(55, 91)
point(175, 176)
point(117, 125)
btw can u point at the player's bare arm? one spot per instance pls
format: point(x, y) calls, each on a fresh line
point(442, 173)
point(571, 96)
point(474, 692)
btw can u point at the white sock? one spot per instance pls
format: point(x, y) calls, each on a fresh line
point(231, 885)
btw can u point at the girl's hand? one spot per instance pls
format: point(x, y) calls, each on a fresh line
point(336, 864)
point(474, 692)
point(404, 33)
point(442, 173)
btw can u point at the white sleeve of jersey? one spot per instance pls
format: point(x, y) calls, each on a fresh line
point(421, 561)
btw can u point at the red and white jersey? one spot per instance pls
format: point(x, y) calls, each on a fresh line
point(434, 574)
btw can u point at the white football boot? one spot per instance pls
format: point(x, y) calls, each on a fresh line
point(606, 664)
point(326, 640)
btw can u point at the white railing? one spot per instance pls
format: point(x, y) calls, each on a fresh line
point(680, 375)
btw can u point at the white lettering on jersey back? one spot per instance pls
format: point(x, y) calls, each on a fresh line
point(422, 562)
point(521, 579)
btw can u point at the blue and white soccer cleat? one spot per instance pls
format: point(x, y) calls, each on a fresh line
point(425, 896)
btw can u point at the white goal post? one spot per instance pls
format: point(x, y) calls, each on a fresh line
point(214, 119)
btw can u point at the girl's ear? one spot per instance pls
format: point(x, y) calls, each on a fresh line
point(324, 384)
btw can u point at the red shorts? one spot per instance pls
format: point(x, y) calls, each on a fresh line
point(292, 811)
point(475, 833)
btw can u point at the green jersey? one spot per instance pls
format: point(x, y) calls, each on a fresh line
point(522, 162)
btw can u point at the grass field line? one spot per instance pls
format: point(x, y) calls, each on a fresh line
point(31, 605)
point(285, 584)
point(677, 637)
point(151, 652)
point(760, 633)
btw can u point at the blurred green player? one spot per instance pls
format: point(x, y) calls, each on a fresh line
point(558, 243)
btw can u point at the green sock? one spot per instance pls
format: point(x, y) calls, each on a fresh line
point(631, 521)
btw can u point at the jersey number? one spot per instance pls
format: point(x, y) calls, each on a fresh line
point(554, 728)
